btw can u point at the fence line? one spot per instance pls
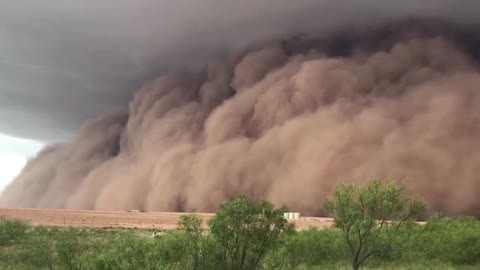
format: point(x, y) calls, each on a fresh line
point(110, 219)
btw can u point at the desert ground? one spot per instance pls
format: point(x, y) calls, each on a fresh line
point(119, 219)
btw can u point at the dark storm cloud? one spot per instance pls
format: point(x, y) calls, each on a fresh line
point(62, 62)
point(285, 120)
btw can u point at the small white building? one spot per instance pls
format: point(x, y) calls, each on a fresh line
point(291, 215)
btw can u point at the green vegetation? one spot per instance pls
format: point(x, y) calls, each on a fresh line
point(252, 234)
point(245, 229)
point(371, 217)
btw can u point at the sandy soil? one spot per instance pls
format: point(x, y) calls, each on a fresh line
point(117, 219)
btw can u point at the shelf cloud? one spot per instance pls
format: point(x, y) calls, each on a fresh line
point(185, 104)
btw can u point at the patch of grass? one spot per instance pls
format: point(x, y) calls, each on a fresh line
point(443, 243)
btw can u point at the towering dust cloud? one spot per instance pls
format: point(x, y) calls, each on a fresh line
point(286, 121)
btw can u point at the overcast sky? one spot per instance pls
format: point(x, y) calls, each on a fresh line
point(64, 61)
point(14, 153)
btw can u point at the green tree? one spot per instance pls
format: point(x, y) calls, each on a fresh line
point(372, 216)
point(245, 229)
point(201, 249)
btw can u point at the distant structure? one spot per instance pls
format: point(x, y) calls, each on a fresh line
point(291, 215)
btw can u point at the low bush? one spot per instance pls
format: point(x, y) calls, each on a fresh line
point(442, 243)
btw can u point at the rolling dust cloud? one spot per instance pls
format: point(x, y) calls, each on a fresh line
point(284, 120)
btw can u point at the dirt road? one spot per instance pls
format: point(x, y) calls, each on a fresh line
point(118, 219)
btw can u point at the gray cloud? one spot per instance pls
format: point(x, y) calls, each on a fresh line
point(62, 62)
point(285, 121)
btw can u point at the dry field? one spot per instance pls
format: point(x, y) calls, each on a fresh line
point(118, 219)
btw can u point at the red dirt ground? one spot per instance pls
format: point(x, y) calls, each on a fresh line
point(118, 219)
